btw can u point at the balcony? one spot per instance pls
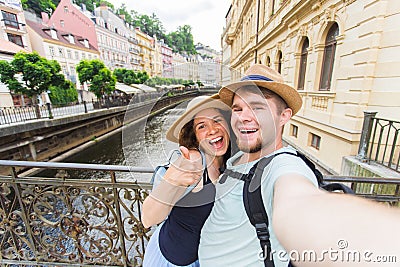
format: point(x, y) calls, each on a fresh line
point(13, 26)
point(134, 51)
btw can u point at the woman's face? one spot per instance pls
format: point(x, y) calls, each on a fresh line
point(211, 131)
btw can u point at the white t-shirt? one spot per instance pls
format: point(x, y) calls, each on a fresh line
point(227, 237)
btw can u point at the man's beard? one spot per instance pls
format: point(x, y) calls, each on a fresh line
point(250, 149)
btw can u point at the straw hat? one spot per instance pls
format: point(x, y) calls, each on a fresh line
point(196, 105)
point(260, 75)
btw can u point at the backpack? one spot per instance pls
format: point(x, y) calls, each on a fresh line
point(254, 204)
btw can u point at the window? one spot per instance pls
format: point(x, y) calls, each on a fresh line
point(268, 62)
point(51, 49)
point(61, 52)
point(294, 130)
point(69, 54)
point(315, 141)
point(15, 38)
point(71, 39)
point(62, 23)
point(65, 9)
point(303, 64)
point(53, 33)
point(280, 61)
point(76, 55)
point(10, 19)
point(329, 57)
point(83, 56)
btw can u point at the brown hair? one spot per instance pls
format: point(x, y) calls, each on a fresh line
point(280, 103)
point(187, 136)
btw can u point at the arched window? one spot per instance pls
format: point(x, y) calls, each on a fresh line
point(303, 64)
point(279, 62)
point(268, 62)
point(329, 58)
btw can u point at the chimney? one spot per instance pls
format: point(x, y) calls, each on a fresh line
point(45, 17)
point(83, 6)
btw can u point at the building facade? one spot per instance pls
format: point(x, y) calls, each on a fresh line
point(342, 57)
point(64, 47)
point(12, 24)
point(146, 49)
point(166, 55)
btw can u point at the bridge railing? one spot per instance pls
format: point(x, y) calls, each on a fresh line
point(9, 115)
point(380, 141)
point(64, 221)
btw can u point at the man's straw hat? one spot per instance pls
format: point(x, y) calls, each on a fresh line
point(260, 75)
point(196, 105)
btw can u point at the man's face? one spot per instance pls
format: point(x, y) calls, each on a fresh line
point(254, 121)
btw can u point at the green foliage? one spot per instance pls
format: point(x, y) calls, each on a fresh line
point(182, 40)
point(49, 6)
point(39, 6)
point(63, 94)
point(30, 74)
point(149, 24)
point(130, 76)
point(123, 11)
point(168, 81)
point(101, 79)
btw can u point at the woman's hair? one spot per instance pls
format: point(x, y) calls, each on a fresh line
point(187, 135)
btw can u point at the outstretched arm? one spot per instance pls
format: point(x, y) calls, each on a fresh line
point(342, 230)
point(182, 173)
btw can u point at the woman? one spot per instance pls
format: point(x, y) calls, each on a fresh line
point(203, 127)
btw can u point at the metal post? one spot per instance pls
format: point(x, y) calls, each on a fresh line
point(84, 104)
point(365, 135)
point(49, 109)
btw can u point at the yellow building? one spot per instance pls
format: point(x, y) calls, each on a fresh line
point(343, 56)
point(144, 42)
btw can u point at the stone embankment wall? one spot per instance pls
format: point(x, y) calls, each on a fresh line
point(44, 139)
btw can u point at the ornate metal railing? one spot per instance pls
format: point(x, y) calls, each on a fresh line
point(63, 221)
point(380, 141)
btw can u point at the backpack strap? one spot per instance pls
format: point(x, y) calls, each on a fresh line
point(255, 209)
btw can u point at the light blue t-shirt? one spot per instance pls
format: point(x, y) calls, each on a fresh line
point(227, 237)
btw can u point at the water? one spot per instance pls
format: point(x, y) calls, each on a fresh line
point(140, 144)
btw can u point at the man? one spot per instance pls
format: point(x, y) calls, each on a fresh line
point(303, 219)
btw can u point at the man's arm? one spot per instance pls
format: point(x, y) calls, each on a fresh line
point(336, 227)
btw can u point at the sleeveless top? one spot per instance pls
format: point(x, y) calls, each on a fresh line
point(180, 234)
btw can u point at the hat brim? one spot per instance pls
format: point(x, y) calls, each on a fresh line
point(288, 93)
point(211, 102)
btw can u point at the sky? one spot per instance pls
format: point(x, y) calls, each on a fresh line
point(206, 17)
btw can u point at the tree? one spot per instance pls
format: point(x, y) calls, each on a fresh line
point(39, 6)
point(123, 11)
point(149, 24)
point(101, 79)
point(63, 94)
point(182, 40)
point(130, 76)
point(31, 74)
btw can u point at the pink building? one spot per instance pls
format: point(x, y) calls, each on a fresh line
point(70, 19)
point(166, 54)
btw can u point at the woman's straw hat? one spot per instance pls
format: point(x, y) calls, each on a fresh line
point(196, 105)
point(260, 75)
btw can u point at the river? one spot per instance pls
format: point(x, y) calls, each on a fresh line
point(140, 144)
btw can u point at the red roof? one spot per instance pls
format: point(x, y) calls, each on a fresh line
point(44, 32)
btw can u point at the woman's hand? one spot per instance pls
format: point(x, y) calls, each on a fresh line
point(186, 170)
